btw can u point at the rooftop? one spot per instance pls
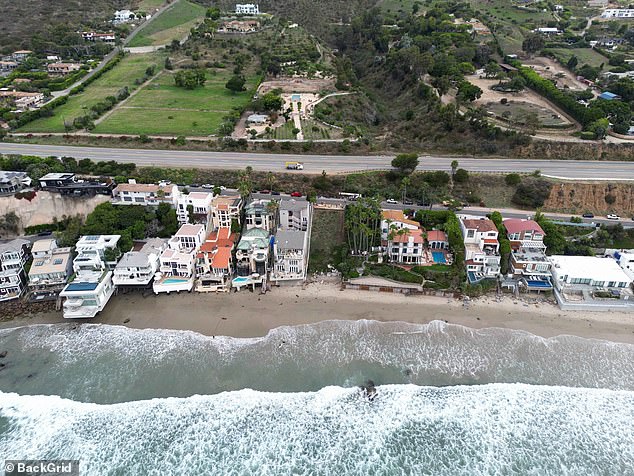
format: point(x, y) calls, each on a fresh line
point(405, 235)
point(189, 230)
point(221, 259)
point(399, 216)
point(56, 262)
point(13, 245)
point(57, 176)
point(599, 269)
point(436, 235)
point(293, 205)
point(479, 224)
point(518, 225)
point(142, 187)
point(43, 246)
point(290, 239)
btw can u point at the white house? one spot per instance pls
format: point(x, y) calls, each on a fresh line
point(406, 246)
point(137, 268)
point(618, 13)
point(225, 210)
point(21, 55)
point(92, 287)
point(200, 204)
point(247, 9)
point(547, 31)
point(133, 193)
point(528, 260)
point(123, 16)
point(13, 257)
point(482, 249)
point(394, 220)
point(290, 256)
point(11, 182)
point(294, 214)
point(177, 270)
point(260, 214)
point(570, 272)
point(624, 258)
point(50, 270)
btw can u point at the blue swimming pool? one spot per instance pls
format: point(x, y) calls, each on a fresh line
point(295, 97)
point(174, 281)
point(439, 257)
point(538, 284)
point(241, 279)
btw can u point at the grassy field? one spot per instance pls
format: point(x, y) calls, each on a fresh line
point(326, 234)
point(173, 23)
point(316, 130)
point(149, 5)
point(284, 132)
point(129, 69)
point(162, 108)
point(585, 56)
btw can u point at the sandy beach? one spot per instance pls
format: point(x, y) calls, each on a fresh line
point(247, 314)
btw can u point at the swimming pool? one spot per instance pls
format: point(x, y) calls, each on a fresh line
point(538, 283)
point(439, 257)
point(241, 279)
point(295, 97)
point(174, 281)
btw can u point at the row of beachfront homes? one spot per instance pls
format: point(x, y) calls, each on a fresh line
point(204, 255)
point(407, 243)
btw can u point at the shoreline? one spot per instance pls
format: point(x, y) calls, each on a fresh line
point(253, 315)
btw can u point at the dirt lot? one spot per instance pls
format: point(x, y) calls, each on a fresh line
point(298, 85)
point(528, 96)
point(549, 68)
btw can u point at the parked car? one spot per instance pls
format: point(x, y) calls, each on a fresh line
point(45, 233)
point(587, 215)
point(407, 201)
point(207, 185)
point(296, 194)
point(275, 192)
point(264, 191)
point(195, 185)
point(392, 201)
point(612, 216)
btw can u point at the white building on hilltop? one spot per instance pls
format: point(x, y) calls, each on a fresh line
point(177, 263)
point(13, 257)
point(137, 268)
point(618, 13)
point(247, 9)
point(133, 193)
point(123, 16)
point(92, 287)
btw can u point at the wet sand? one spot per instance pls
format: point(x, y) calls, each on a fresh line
point(246, 314)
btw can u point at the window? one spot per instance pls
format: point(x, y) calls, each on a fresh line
point(470, 233)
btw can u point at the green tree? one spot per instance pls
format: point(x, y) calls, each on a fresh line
point(533, 43)
point(492, 69)
point(236, 84)
point(454, 167)
point(572, 63)
point(461, 176)
point(405, 163)
point(272, 101)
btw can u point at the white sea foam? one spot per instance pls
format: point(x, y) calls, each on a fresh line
point(496, 429)
point(108, 364)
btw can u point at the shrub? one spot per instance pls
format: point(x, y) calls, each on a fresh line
point(513, 179)
point(532, 193)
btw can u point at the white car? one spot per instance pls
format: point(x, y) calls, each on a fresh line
point(207, 185)
point(612, 216)
point(392, 201)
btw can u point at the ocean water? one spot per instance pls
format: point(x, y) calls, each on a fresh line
point(451, 401)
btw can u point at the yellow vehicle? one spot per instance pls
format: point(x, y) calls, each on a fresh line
point(294, 166)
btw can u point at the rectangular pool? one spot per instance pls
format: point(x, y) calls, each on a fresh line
point(439, 257)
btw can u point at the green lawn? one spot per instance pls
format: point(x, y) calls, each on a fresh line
point(162, 108)
point(585, 56)
point(284, 132)
point(149, 5)
point(129, 69)
point(173, 23)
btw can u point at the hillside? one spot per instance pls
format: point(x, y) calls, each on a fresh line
point(599, 198)
point(21, 20)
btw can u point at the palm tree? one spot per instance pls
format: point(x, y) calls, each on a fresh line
point(272, 207)
point(454, 167)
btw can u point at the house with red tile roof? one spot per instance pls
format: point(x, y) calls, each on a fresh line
point(392, 220)
point(214, 261)
point(406, 246)
point(482, 249)
point(437, 240)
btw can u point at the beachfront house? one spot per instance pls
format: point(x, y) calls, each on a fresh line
point(406, 246)
point(290, 257)
point(195, 207)
point(294, 214)
point(247, 9)
point(133, 193)
point(582, 278)
point(136, 268)
point(528, 260)
point(252, 258)
point(395, 220)
point(50, 269)
point(226, 211)
point(261, 214)
point(482, 249)
point(13, 257)
point(214, 262)
point(624, 258)
point(92, 287)
point(11, 182)
point(177, 271)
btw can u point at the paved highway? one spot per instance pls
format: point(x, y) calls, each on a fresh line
point(568, 169)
